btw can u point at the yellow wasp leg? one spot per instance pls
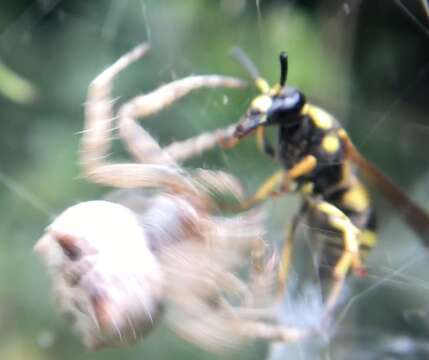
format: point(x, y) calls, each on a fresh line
point(350, 257)
point(280, 178)
point(350, 234)
point(265, 190)
point(368, 238)
point(303, 167)
point(263, 143)
point(260, 138)
point(307, 164)
point(287, 250)
point(332, 299)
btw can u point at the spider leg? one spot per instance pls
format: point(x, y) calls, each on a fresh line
point(195, 146)
point(158, 169)
point(96, 139)
point(144, 148)
point(273, 332)
point(145, 105)
point(99, 115)
point(147, 150)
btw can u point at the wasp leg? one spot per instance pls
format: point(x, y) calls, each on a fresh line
point(287, 250)
point(331, 217)
point(303, 167)
point(263, 143)
point(280, 180)
point(258, 248)
point(266, 190)
point(350, 234)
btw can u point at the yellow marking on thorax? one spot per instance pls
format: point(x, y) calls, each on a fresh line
point(320, 117)
point(356, 198)
point(330, 143)
point(261, 103)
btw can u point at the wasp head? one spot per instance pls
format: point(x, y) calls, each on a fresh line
point(276, 106)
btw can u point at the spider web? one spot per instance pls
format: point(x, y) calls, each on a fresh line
point(385, 313)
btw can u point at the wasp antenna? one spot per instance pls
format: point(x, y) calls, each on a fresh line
point(283, 68)
point(244, 60)
point(250, 67)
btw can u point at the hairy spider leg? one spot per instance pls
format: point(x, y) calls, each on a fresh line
point(153, 102)
point(145, 149)
point(99, 118)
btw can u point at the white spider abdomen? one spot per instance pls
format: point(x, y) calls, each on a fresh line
point(103, 272)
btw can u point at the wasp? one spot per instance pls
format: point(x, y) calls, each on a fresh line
point(321, 163)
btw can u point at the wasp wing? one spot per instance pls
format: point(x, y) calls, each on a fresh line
point(415, 216)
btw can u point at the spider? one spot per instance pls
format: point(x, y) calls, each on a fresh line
point(116, 270)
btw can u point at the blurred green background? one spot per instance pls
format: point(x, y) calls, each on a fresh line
point(367, 62)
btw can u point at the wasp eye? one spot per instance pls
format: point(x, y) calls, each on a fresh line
point(292, 100)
